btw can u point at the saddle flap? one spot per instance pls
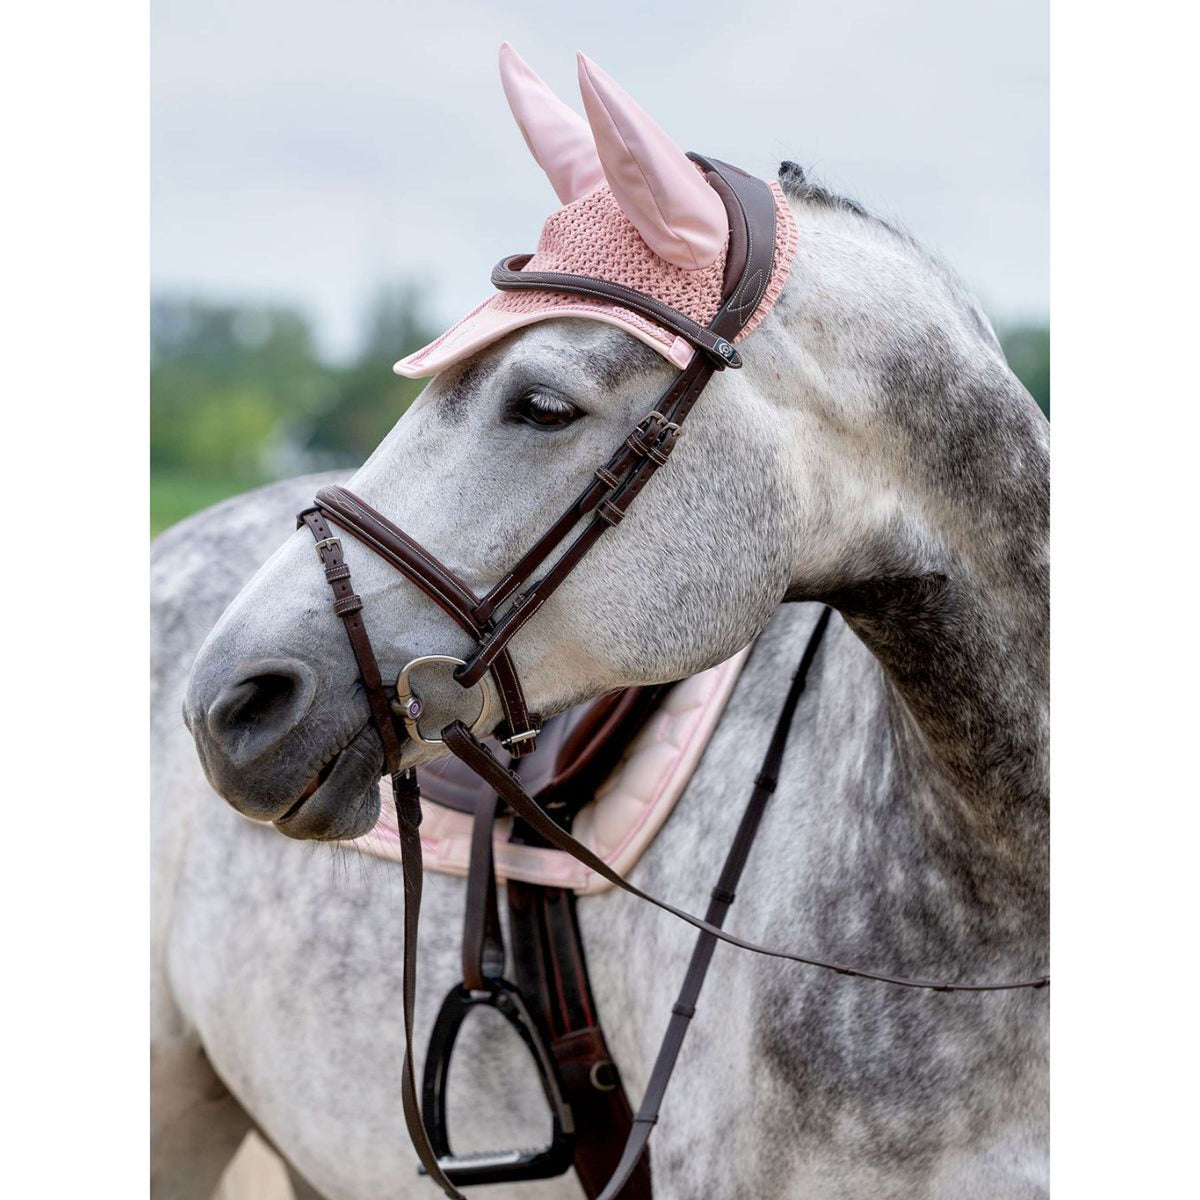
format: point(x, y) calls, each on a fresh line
point(569, 745)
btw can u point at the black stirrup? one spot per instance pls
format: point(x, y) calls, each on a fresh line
point(500, 1166)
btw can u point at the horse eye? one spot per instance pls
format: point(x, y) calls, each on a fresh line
point(545, 410)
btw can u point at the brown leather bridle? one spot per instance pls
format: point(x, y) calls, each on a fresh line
point(614, 486)
point(750, 206)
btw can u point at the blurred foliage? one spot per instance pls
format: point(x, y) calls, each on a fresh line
point(175, 495)
point(1027, 348)
point(240, 394)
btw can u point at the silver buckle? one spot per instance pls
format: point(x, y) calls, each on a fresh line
point(409, 707)
point(332, 543)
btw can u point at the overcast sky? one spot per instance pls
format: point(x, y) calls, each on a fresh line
point(309, 152)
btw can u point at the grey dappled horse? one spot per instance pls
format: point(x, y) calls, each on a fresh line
point(876, 454)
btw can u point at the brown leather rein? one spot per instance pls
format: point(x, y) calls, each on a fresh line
point(606, 498)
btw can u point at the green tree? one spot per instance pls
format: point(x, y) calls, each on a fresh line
point(225, 383)
point(240, 395)
point(367, 398)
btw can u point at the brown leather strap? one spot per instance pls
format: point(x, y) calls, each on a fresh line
point(407, 798)
point(721, 899)
point(442, 586)
point(483, 937)
point(750, 207)
point(603, 1116)
point(652, 435)
point(610, 511)
point(550, 968)
point(750, 204)
point(508, 276)
point(348, 605)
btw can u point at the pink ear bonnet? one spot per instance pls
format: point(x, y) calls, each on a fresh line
point(636, 211)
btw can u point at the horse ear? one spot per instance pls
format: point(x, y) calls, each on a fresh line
point(557, 136)
point(658, 188)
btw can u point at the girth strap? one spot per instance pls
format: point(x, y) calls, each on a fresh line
point(550, 968)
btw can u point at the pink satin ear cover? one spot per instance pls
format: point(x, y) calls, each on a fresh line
point(558, 137)
point(658, 188)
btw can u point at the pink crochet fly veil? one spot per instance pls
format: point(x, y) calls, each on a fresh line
point(637, 212)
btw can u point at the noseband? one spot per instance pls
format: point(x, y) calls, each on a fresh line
point(603, 504)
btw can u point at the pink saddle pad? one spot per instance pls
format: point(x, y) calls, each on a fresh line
point(629, 809)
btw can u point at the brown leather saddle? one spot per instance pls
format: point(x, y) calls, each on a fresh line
point(576, 752)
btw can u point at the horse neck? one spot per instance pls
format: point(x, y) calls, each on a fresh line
point(922, 484)
point(864, 857)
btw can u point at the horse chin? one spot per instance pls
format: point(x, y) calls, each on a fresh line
point(344, 803)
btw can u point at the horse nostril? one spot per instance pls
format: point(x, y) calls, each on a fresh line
point(258, 697)
point(254, 714)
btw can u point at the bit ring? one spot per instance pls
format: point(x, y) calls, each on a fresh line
point(409, 706)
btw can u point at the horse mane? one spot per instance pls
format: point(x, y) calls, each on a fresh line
point(798, 186)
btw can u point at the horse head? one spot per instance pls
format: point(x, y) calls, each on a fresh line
point(831, 460)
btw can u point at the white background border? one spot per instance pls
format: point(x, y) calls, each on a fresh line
point(74, 382)
point(1126, 845)
point(1125, 836)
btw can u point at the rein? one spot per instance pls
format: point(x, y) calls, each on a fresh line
point(605, 500)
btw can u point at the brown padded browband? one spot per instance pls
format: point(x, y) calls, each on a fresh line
point(508, 276)
point(747, 270)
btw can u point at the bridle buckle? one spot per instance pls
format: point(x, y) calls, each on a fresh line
point(329, 543)
point(664, 426)
point(654, 437)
